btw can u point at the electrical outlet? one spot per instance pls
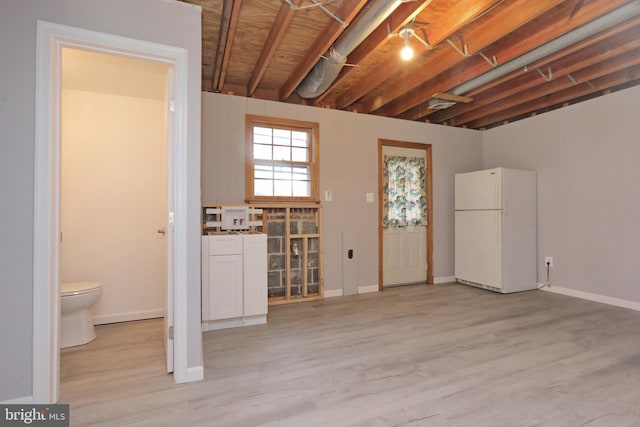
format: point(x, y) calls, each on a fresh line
point(548, 260)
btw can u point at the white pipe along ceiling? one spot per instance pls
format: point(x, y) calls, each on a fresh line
point(615, 17)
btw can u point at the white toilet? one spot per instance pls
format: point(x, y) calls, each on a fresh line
point(76, 319)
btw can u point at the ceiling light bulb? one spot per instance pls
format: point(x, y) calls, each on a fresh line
point(406, 53)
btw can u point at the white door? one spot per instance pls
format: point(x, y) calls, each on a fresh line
point(478, 256)
point(404, 249)
point(404, 255)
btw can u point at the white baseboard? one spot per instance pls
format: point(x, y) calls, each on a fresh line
point(195, 374)
point(236, 322)
point(633, 305)
point(333, 293)
point(126, 317)
point(25, 400)
point(444, 279)
point(366, 289)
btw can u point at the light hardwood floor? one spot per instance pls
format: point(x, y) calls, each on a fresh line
point(447, 355)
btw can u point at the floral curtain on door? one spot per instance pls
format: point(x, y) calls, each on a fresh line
point(404, 195)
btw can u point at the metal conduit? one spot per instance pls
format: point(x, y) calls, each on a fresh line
point(327, 69)
point(608, 20)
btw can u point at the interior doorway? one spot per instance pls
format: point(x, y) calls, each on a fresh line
point(113, 186)
point(51, 39)
point(405, 212)
point(114, 183)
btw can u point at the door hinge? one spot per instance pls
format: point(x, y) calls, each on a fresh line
point(170, 332)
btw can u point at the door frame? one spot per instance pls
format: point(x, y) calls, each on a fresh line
point(428, 186)
point(50, 39)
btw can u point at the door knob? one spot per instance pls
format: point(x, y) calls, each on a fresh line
point(162, 231)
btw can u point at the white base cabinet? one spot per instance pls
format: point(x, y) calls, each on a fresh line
point(234, 280)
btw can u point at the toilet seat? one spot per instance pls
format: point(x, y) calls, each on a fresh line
point(78, 288)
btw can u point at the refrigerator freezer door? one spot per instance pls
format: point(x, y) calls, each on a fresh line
point(479, 190)
point(478, 243)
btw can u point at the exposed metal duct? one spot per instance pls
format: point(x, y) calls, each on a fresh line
point(604, 22)
point(327, 69)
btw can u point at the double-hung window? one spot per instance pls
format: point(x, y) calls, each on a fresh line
point(282, 159)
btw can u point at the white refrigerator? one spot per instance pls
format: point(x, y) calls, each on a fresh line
point(495, 229)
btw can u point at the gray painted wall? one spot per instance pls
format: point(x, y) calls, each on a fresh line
point(588, 161)
point(160, 21)
point(348, 168)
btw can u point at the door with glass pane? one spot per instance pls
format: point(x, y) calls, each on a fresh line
point(405, 210)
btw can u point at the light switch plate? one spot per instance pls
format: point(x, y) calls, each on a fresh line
point(370, 198)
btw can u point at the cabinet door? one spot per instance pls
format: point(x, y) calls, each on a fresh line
point(255, 274)
point(225, 287)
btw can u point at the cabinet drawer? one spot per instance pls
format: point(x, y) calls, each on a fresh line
point(225, 245)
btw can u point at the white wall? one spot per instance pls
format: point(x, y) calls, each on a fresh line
point(161, 21)
point(348, 167)
point(587, 157)
point(114, 198)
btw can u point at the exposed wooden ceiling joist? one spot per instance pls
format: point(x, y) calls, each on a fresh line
point(268, 48)
point(606, 35)
point(402, 16)
point(231, 12)
point(278, 30)
point(394, 65)
point(559, 83)
point(576, 91)
point(477, 36)
point(347, 12)
point(544, 28)
point(601, 52)
point(462, 13)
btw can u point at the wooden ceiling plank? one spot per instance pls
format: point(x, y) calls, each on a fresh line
point(444, 81)
point(223, 29)
point(504, 21)
point(347, 12)
point(549, 26)
point(233, 24)
point(600, 52)
point(575, 91)
point(377, 77)
point(560, 82)
point(277, 33)
point(241, 90)
point(478, 35)
point(452, 97)
point(570, 97)
point(394, 65)
point(462, 13)
point(574, 48)
point(404, 14)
